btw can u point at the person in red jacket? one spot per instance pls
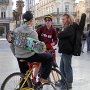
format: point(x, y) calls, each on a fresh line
point(48, 34)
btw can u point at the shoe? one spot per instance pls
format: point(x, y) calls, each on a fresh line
point(58, 84)
point(17, 89)
point(38, 86)
point(44, 80)
point(70, 86)
point(82, 51)
point(63, 87)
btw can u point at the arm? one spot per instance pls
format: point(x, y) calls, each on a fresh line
point(12, 47)
point(34, 35)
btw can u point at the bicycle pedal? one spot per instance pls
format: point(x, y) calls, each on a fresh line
point(38, 86)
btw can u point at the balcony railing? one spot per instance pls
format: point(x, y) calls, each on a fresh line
point(61, 13)
point(7, 19)
point(4, 2)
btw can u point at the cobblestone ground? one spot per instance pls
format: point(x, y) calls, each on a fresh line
point(81, 66)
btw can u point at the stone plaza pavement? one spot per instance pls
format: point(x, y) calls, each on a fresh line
point(81, 66)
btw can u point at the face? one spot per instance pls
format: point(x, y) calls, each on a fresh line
point(64, 20)
point(31, 22)
point(48, 22)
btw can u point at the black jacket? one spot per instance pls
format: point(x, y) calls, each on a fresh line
point(66, 39)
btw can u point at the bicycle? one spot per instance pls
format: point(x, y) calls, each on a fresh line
point(19, 81)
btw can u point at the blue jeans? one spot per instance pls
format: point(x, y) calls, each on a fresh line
point(88, 43)
point(66, 68)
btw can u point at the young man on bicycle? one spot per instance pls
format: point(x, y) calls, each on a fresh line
point(48, 34)
point(29, 56)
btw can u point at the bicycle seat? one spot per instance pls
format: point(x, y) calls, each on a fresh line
point(54, 64)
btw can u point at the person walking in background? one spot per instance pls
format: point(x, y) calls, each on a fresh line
point(83, 41)
point(88, 40)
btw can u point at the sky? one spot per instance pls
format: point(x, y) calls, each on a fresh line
point(14, 2)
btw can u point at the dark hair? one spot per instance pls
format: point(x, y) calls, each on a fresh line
point(27, 16)
point(48, 16)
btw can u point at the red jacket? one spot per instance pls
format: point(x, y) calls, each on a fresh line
point(48, 36)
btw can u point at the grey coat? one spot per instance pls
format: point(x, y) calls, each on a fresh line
point(21, 52)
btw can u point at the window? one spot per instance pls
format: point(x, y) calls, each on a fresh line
point(57, 10)
point(3, 13)
point(66, 8)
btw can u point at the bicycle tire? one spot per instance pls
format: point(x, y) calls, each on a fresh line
point(54, 80)
point(10, 77)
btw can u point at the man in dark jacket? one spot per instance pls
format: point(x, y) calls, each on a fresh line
point(66, 38)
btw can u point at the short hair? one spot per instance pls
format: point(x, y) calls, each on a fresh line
point(27, 16)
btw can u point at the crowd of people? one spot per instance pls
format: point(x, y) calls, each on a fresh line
point(48, 34)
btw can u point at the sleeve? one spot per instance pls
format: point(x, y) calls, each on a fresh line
point(12, 47)
point(69, 31)
point(54, 36)
point(34, 35)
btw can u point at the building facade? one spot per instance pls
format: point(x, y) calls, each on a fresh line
point(5, 16)
point(54, 7)
point(29, 5)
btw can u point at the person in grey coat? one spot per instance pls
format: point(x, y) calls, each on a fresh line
point(45, 59)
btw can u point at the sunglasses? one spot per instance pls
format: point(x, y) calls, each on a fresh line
point(47, 20)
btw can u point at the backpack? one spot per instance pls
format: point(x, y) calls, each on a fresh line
point(41, 32)
point(77, 45)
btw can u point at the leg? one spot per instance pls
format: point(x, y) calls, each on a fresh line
point(36, 71)
point(62, 66)
point(83, 43)
point(23, 66)
point(46, 60)
point(68, 68)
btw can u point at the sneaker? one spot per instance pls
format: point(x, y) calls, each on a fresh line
point(38, 86)
point(82, 51)
point(58, 84)
point(70, 85)
point(64, 88)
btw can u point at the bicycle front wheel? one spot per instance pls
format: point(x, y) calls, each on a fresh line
point(15, 81)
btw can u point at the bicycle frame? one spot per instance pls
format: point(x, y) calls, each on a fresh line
point(27, 75)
